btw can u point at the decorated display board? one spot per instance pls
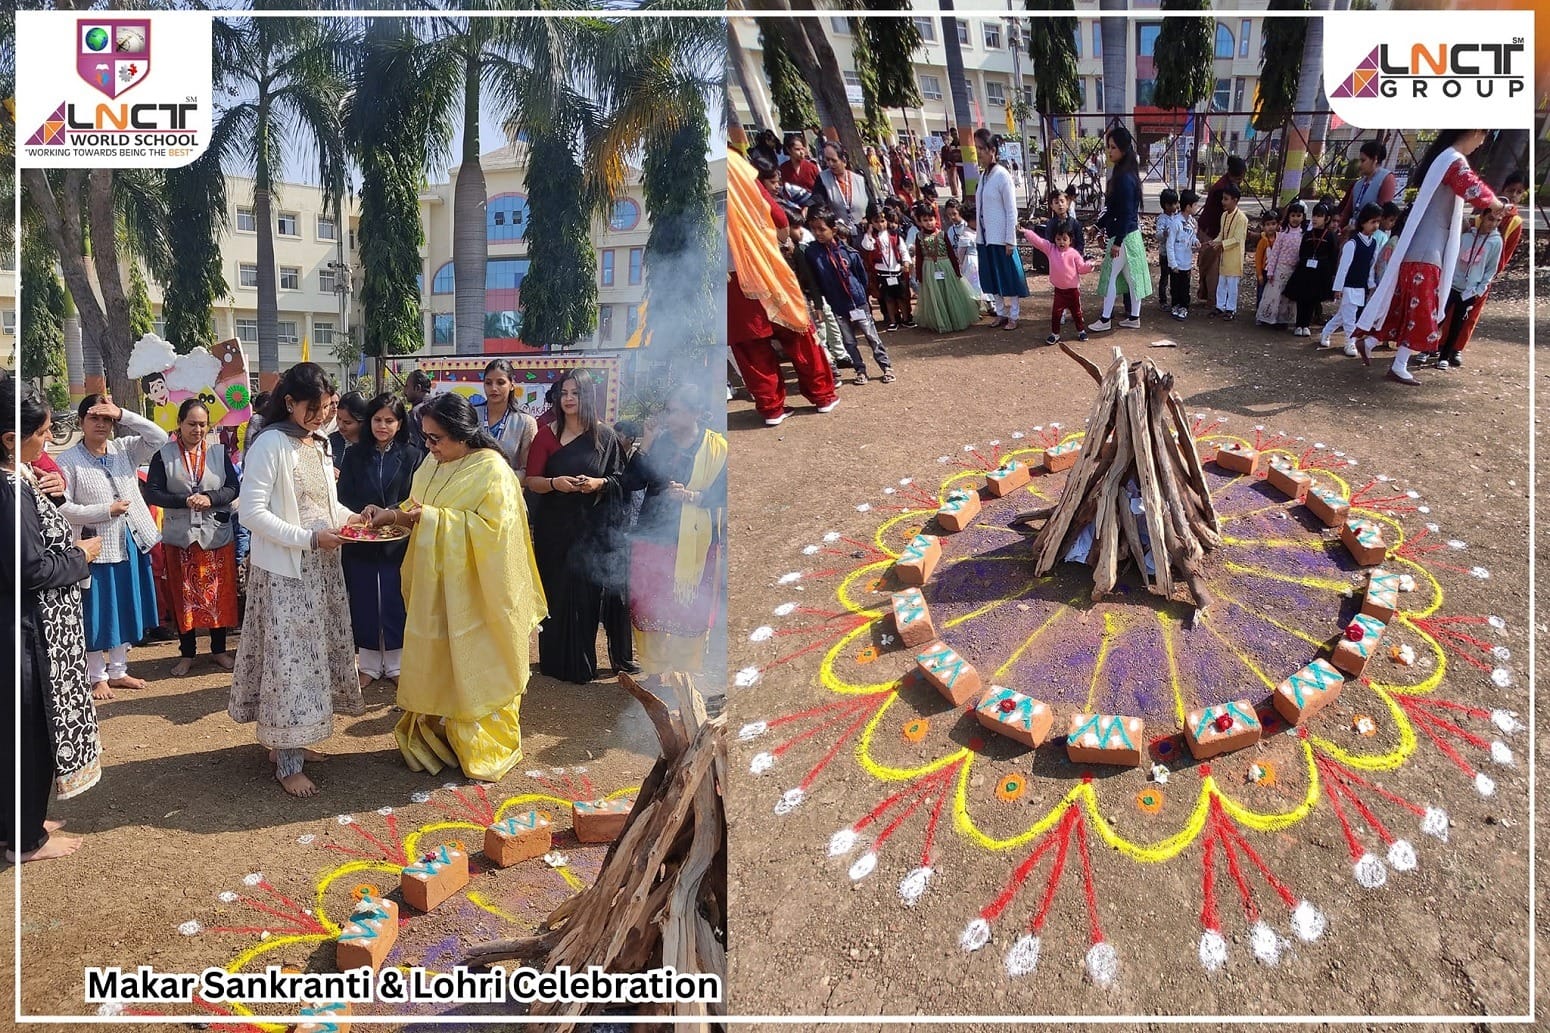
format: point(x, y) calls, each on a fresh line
point(534, 374)
point(216, 376)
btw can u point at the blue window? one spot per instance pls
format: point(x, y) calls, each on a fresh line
point(626, 216)
point(505, 273)
point(1147, 41)
point(419, 283)
point(506, 217)
point(637, 258)
point(441, 328)
point(631, 321)
point(1076, 35)
point(442, 282)
point(608, 268)
point(1224, 42)
point(1097, 40)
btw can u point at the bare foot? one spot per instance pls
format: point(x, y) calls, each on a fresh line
point(182, 667)
point(100, 691)
point(299, 785)
point(53, 826)
point(224, 661)
point(57, 846)
point(312, 755)
point(127, 682)
point(365, 679)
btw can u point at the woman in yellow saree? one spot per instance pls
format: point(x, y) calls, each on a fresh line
point(473, 598)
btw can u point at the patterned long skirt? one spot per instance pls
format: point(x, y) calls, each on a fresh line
point(1412, 316)
point(202, 586)
point(296, 661)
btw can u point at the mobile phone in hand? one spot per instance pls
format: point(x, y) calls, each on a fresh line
point(86, 532)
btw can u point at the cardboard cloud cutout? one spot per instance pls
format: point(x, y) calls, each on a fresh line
point(218, 378)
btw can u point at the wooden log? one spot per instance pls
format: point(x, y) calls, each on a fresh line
point(1173, 494)
point(1049, 546)
point(1151, 497)
point(1197, 472)
point(1107, 532)
point(1086, 363)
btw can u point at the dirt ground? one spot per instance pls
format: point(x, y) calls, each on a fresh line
point(1449, 938)
point(194, 856)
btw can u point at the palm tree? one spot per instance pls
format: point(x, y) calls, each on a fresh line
point(1308, 88)
point(1116, 61)
point(196, 218)
point(958, 85)
point(656, 79)
point(287, 78)
point(1052, 46)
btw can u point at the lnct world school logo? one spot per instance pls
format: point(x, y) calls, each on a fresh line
point(113, 55)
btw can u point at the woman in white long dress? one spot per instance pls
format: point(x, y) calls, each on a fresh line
point(1000, 267)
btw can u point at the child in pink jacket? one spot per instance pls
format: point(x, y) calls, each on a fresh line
point(1066, 266)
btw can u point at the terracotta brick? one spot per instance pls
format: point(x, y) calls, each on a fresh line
point(1287, 479)
point(1105, 739)
point(1020, 718)
point(330, 1017)
point(1328, 505)
point(1062, 456)
point(912, 618)
point(1382, 597)
point(1364, 539)
point(434, 877)
point(1351, 655)
point(368, 935)
point(958, 510)
point(918, 560)
point(601, 821)
point(520, 837)
point(950, 674)
point(1011, 476)
point(1308, 691)
point(1237, 458)
point(1206, 736)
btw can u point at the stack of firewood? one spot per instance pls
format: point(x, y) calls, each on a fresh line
point(1138, 493)
point(660, 898)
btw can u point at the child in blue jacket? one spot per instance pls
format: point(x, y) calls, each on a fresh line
point(842, 279)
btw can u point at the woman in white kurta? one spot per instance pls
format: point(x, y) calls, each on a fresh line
point(1000, 266)
point(296, 661)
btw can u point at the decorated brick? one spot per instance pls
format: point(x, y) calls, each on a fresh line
point(521, 837)
point(1237, 458)
point(601, 821)
point(912, 618)
point(1062, 456)
point(1364, 539)
point(1328, 505)
point(1308, 691)
point(958, 510)
point(1018, 717)
point(1287, 479)
point(1352, 654)
point(434, 877)
point(918, 560)
point(1008, 478)
point(368, 935)
point(1221, 729)
point(323, 1017)
point(949, 673)
point(1105, 739)
point(1382, 597)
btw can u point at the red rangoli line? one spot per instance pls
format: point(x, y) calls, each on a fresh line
point(1209, 918)
point(1442, 724)
point(887, 833)
point(866, 547)
point(388, 853)
point(1281, 889)
point(827, 615)
point(816, 645)
point(586, 787)
point(282, 898)
point(1089, 892)
point(1456, 620)
point(1352, 843)
point(250, 930)
point(1370, 818)
point(936, 816)
point(844, 703)
point(835, 749)
point(1345, 774)
point(1360, 493)
point(1250, 911)
point(294, 920)
point(848, 712)
point(993, 910)
point(1056, 870)
point(920, 788)
point(1478, 713)
point(1444, 745)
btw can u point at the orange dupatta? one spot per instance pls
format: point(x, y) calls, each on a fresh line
point(762, 272)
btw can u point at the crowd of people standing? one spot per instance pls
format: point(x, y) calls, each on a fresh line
point(419, 540)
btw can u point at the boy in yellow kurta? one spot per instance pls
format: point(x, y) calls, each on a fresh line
point(1233, 238)
point(473, 599)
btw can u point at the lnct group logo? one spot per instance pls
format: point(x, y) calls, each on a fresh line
point(1443, 70)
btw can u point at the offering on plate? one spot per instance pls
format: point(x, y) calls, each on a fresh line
point(367, 533)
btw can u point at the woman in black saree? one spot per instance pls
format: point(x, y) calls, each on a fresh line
point(578, 534)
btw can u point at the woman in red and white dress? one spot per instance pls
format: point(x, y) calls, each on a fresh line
point(1406, 308)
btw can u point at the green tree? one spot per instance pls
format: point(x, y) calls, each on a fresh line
point(790, 91)
point(142, 320)
point(874, 120)
point(892, 43)
point(196, 218)
point(42, 311)
point(1280, 69)
point(559, 295)
point(1185, 53)
point(288, 77)
point(1052, 48)
point(388, 117)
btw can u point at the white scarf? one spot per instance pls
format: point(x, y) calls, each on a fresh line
point(1383, 295)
